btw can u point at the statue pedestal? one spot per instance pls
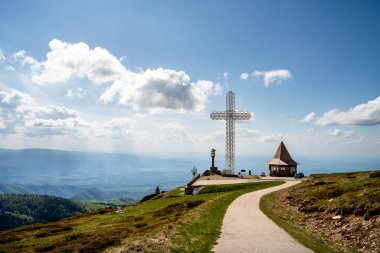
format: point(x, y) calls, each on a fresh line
point(214, 170)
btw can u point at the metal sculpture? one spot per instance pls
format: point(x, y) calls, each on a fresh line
point(230, 116)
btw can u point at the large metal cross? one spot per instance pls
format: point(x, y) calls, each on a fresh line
point(230, 116)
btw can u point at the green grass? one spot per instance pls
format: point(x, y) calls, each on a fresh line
point(355, 196)
point(93, 206)
point(230, 187)
point(289, 222)
point(201, 234)
point(172, 223)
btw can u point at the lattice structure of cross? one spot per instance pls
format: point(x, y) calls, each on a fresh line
point(230, 116)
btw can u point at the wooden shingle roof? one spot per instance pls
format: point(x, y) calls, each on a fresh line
point(282, 157)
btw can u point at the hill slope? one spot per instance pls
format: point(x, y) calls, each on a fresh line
point(18, 210)
point(171, 222)
point(331, 212)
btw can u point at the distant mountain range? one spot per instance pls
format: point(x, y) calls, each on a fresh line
point(86, 175)
point(108, 177)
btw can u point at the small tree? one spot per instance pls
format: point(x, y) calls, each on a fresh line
point(194, 171)
point(157, 191)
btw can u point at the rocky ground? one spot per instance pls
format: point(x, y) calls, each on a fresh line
point(344, 208)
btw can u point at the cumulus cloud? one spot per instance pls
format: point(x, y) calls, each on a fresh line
point(153, 89)
point(160, 89)
point(273, 76)
point(65, 61)
point(364, 114)
point(309, 117)
point(19, 113)
point(244, 76)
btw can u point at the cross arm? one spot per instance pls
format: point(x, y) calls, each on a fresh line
point(241, 115)
point(218, 115)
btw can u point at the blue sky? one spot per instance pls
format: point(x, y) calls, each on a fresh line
point(143, 76)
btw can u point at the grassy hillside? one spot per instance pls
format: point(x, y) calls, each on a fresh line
point(171, 222)
point(18, 210)
point(331, 212)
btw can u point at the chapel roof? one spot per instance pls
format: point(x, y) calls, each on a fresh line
point(282, 156)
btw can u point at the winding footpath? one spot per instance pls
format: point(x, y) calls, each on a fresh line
point(247, 229)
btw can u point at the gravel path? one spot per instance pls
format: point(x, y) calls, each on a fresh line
point(246, 229)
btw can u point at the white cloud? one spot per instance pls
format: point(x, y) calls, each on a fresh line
point(339, 132)
point(336, 132)
point(273, 76)
point(65, 61)
point(20, 114)
point(244, 76)
point(310, 130)
point(160, 89)
point(364, 114)
point(309, 117)
point(26, 60)
point(349, 135)
point(2, 56)
point(153, 89)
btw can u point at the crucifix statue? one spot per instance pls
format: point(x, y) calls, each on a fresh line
point(230, 116)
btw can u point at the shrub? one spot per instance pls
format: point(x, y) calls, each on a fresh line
point(140, 224)
point(375, 174)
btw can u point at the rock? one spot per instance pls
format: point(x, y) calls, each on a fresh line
point(337, 217)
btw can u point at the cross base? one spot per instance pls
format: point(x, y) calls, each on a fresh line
point(228, 172)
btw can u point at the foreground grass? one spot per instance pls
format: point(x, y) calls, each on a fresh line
point(306, 210)
point(170, 223)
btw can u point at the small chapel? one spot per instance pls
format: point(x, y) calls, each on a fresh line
point(282, 164)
